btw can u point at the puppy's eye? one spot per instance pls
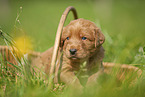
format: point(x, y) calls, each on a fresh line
point(84, 38)
point(67, 38)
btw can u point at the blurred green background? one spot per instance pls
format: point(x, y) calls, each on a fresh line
point(121, 21)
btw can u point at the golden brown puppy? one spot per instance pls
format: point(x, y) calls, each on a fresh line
point(82, 47)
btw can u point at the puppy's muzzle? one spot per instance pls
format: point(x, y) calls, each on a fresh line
point(73, 51)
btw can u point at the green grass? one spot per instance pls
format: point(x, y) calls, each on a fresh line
point(122, 23)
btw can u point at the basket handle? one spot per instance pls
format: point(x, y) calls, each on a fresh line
point(57, 40)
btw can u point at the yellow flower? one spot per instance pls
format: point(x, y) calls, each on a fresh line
point(24, 44)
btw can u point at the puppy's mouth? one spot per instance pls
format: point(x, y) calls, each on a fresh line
point(73, 57)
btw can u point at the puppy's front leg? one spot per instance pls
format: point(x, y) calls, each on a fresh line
point(92, 80)
point(68, 77)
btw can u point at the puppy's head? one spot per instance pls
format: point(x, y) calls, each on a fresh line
point(80, 39)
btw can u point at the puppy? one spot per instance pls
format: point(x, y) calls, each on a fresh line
point(81, 43)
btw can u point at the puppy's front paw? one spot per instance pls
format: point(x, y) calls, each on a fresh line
point(91, 81)
point(76, 89)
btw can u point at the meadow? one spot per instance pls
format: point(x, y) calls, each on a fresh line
point(121, 21)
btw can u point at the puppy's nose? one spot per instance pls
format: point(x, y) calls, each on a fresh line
point(73, 51)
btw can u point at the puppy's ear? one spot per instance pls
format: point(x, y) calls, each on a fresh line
point(99, 37)
point(62, 39)
point(61, 42)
